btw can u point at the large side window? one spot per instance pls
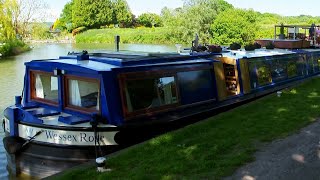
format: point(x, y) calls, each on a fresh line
point(82, 93)
point(149, 93)
point(44, 87)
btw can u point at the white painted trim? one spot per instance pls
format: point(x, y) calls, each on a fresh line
point(65, 137)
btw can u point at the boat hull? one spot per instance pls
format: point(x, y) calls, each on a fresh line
point(42, 160)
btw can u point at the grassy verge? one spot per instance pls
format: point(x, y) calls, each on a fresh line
point(215, 147)
point(13, 47)
point(128, 35)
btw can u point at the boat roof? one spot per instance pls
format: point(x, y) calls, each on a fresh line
point(108, 61)
point(239, 54)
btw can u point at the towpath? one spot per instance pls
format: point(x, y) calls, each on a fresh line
point(296, 157)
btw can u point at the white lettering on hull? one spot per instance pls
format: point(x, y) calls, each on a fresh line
point(63, 137)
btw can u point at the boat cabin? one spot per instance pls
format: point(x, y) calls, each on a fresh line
point(240, 72)
point(116, 88)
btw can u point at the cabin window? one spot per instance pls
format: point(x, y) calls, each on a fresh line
point(292, 69)
point(279, 70)
point(44, 87)
point(196, 86)
point(150, 93)
point(83, 93)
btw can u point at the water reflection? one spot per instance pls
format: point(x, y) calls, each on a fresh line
point(12, 72)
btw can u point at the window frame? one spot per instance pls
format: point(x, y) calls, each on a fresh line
point(146, 75)
point(68, 106)
point(33, 96)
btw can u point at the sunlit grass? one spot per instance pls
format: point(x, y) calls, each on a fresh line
point(214, 148)
point(127, 35)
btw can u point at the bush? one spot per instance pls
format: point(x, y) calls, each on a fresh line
point(214, 48)
point(249, 47)
point(78, 30)
point(13, 47)
point(235, 46)
point(128, 35)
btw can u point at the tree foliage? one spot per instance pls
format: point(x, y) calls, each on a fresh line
point(121, 13)
point(91, 13)
point(40, 31)
point(24, 12)
point(6, 26)
point(196, 16)
point(97, 13)
point(65, 20)
point(150, 20)
point(235, 25)
point(215, 21)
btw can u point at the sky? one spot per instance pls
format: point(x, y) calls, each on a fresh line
point(282, 7)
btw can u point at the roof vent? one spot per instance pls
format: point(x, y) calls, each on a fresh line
point(83, 56)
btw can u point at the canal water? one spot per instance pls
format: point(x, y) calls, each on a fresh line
point(12, 73)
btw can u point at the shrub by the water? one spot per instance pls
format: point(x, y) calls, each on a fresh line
point(13, 47)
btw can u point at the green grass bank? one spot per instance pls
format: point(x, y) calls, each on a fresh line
point(13, 47)
point(128, 35)
point(215, 147)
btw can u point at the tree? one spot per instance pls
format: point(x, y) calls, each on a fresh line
point(235, 25)
point(6, 26)
point(26, 11)
point(58, 25)
point(40, 31)
point(121, 13)
point(66, 16)
point(91, 13)
point(196, 16)
point(150, 20)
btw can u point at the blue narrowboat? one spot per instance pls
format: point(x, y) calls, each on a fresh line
point(76, 106)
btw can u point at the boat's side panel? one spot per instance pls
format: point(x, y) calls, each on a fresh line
point(226, 60)
point(245, 75)
point(220, 80)
point(112, 100)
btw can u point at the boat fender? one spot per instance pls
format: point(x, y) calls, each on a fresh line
point(101, 164)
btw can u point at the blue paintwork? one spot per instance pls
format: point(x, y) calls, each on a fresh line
point(195, 80)
point(73, 119)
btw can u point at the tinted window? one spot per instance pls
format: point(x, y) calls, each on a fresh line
point(196, 86)
point(279, 69)
point(260, 73)
point(150, 93)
